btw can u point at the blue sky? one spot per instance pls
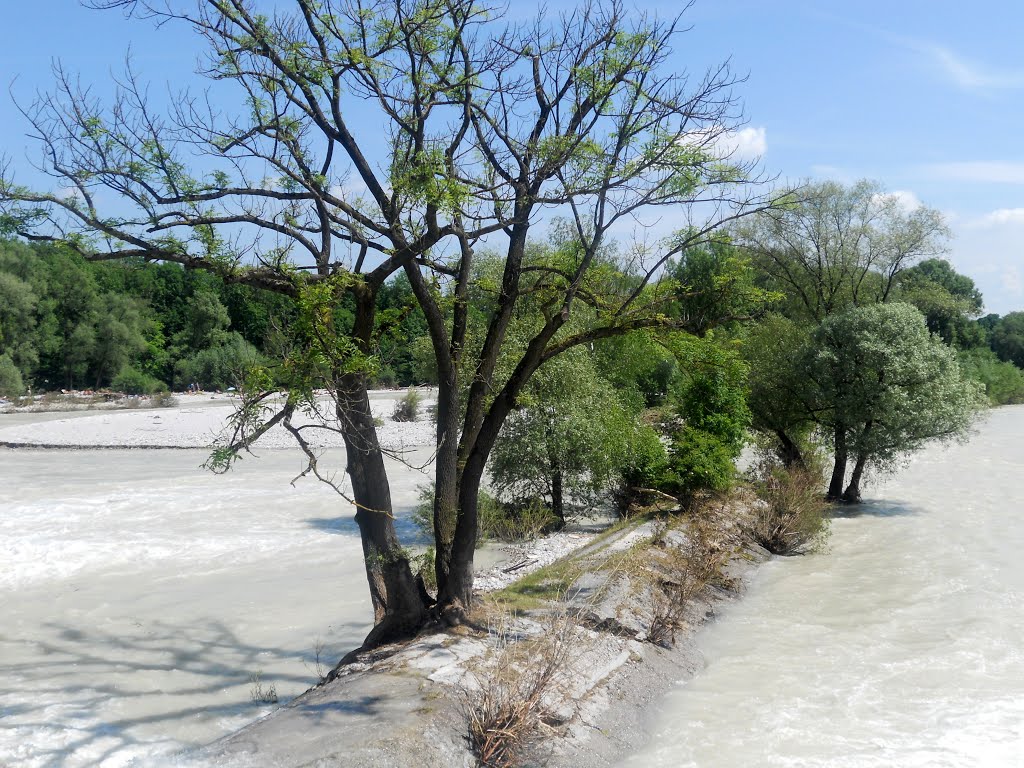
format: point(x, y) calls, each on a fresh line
point(925, 97)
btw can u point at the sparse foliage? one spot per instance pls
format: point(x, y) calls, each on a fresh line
point(408, 407)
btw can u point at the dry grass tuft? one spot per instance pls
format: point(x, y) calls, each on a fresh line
point(790, 517)
point(512, 699)
point(689, 568)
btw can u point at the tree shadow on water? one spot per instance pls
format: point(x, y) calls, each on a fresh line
point(133, 688)
point(405, 527)
point(877, 508)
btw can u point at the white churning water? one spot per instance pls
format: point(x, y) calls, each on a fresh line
point(900, 647)
point(140, 593)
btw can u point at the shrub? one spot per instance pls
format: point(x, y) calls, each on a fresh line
point(711, 419)
point(790, 517)
point(522, 521)
point(218, 367)
point(408, 408)
point(1003, 382)
point(11, 383)
point(134, 382)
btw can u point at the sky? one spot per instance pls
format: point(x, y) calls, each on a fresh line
point(925, 97)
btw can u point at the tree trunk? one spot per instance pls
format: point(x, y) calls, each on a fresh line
point(557, 502)
point(398, 609)
point(852, 493)
point(835, 486)
point(789, 451)
point(455, 593)
point(446, 478)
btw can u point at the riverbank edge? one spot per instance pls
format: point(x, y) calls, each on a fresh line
point(408, 704)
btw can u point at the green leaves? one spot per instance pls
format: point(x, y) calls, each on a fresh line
point(425, 178)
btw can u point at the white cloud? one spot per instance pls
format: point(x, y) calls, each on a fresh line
point(981, 172)
point(969, 75)
point(1000, 217)
point(748, 143)
point(988, 249)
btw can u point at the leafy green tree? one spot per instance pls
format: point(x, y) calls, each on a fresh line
point(946, 298)
point(567, 441)
point(118, 337)
point(480, 129)
point(713, 417)
point(890, 388)
point(716, 286)
point(206, 322)
point(782, 400)
point(1006, 338)
point(18, 323)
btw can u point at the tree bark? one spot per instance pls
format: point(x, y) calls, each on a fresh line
point(852, 493)
point(455, 593)
point(446, 478)
point(835, 486)
point(557, 496)
point(398, 609)
point(789, 451)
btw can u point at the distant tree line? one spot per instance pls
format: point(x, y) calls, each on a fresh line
point(141, 327)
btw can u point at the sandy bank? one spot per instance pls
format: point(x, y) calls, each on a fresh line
point(406, 705)
point(196, 422)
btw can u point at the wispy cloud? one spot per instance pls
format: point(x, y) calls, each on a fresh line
point(964, 72)
point(981, 172)
point(999, 217)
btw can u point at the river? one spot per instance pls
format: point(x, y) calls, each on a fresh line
point(141, 595)
point(901, 646)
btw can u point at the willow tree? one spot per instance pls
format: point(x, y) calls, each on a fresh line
point(836, 246)
point(373, 137)
point(889, 387)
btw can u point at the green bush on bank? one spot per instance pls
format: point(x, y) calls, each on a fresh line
point(11, 383)
point(134, 382)
point(1003, 381)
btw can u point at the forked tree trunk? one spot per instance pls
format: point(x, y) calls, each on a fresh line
point(852, 493)
point(835, 486)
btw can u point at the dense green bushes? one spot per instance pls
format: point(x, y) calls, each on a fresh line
point(1003, 381)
